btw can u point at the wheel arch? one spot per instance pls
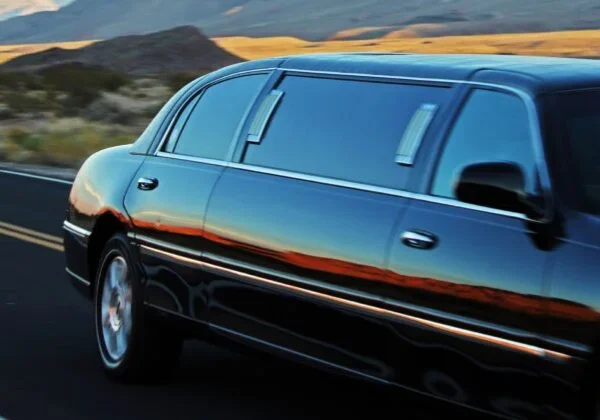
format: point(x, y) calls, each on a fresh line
point(106, 226)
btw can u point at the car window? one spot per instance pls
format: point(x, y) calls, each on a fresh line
point(214, 119)
point(492, 127)
point(181, 120)
point(579, 131)
point(343, 129)
point(144, 141)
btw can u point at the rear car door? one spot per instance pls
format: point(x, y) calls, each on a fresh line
point(299, 229)
point(168, 198)
point(474, 274)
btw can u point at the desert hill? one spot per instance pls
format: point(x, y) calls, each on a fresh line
point(178, 50)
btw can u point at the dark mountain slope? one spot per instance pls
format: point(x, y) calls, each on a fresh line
point(183, 49)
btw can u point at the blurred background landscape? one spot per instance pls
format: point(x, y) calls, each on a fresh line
point(78, 76)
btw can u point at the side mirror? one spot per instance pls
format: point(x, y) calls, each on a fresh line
point(499, 185)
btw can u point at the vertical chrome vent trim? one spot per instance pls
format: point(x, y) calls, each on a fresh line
point(414, 134)
point(263, 115)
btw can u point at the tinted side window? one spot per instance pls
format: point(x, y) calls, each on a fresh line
point(143, 142)
point(181, 120)
point(576, 126)
point(342, 129)
point(492, 127)
point(209, 129)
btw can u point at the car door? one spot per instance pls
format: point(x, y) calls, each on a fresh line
point(473, 275)
point(299, 228)
point(168, 198)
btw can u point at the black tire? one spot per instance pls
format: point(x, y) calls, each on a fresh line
point(151, 351)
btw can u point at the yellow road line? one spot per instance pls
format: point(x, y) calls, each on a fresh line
point(31, 232)
point(31, 239)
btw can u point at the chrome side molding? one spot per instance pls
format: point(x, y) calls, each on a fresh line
point(78, 278)
point(464, 333)
point(70, 227)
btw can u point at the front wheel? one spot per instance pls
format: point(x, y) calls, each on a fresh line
point(131, 347)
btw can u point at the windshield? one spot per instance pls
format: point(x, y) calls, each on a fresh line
point(580, 124)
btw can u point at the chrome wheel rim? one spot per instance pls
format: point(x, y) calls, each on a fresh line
point(116, 309)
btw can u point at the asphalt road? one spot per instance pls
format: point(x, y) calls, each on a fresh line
point(48, 361)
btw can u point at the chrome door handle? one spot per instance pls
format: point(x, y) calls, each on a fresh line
point(147, 184)
point(419, 239)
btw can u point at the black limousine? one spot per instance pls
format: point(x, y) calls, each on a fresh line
point(427, 222)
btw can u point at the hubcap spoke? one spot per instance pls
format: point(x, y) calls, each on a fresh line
point(115, 311)
point(113, 342)
point(121, 341)
point(113, 274)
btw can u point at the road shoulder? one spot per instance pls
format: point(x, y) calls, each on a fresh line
point(63, 174)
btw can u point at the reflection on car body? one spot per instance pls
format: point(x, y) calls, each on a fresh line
point(428, 222)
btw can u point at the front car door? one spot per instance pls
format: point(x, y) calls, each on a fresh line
point(168, 198)
point(474, 275)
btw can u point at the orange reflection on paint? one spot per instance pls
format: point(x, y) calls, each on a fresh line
point(502, 300)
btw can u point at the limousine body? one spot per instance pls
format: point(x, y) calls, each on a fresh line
point(426, 222)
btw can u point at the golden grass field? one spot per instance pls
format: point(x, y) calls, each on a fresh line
point(566, 44)
point(8, 52)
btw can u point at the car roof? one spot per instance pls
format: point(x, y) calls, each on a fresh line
point(531, 73)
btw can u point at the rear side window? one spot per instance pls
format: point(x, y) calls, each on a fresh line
point(349, 130)
point(206, 126)
point(142, 144)
point(492, 127)
point(181, 120)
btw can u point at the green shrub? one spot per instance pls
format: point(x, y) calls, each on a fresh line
point(32, 142)
point(72, 148)
point(20, 81)
point(67, 143)
point(75, 77)
point(6, 112)
point(21, 102)
point(16, 135)
point(23, 139)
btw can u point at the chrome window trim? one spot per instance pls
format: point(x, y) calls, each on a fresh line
point(349, 184)
point(199, 91)
point(534, 125)
point(215, 162)
point(375, 189)
point(68, 226)
point(376, 310)
point(78, 278)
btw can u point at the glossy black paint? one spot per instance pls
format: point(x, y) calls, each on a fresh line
point(488, 274)
point(500, 314)
point(97, 195)
point(314, 234)
point(173, 213)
